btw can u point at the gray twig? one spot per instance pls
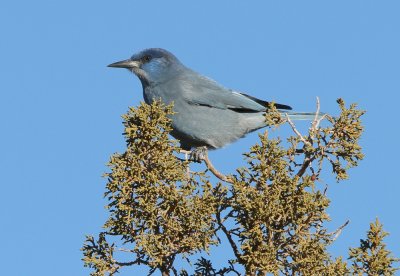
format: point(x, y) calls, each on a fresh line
point(337, 233)
point(296, 131)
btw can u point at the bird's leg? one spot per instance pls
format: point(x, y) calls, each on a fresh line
point(198, 154)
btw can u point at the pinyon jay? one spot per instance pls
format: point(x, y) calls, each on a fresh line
point(208, 115)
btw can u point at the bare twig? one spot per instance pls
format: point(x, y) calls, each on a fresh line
point(306, 163)
point(215, 171)
point(228, 236)
point(325, 190)
point(320, 119)
point(186, 152)
point(209, 166)
point(131, 263)
point(296, 131)
point(315, 121)
point(337, 233)
point(124, 250)
point(315, 124)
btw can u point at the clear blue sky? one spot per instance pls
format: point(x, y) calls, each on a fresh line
point(60, 106)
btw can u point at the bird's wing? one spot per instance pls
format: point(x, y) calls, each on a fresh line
point(207, 92)
point(265, 103)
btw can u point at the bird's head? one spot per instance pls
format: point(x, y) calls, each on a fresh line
point(152, 66)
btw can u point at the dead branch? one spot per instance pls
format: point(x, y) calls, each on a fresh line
point(209, 166)
point(296, 131)
point(214, 171)
point(337, 233)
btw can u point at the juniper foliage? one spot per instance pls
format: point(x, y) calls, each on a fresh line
point(272, 212)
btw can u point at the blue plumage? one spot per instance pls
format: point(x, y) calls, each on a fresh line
point(207, 114)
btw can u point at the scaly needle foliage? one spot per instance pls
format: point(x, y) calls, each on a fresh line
point(272, 212)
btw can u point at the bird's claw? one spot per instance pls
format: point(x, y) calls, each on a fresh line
point(198, 154)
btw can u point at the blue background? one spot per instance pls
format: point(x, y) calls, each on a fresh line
point(60, 106)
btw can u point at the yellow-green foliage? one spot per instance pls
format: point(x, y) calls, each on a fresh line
point(273, 213)
point(276, 214)
point(372, 257)
point(155, 206)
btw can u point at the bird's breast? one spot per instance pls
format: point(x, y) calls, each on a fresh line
point(157, 92)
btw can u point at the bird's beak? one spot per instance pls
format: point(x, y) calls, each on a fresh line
point(128, 63)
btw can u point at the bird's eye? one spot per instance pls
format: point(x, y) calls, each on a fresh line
point(146, 58)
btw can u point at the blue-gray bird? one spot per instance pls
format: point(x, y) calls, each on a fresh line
point(207, 114)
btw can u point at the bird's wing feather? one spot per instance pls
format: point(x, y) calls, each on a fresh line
point(207, 92)
point(265, 103)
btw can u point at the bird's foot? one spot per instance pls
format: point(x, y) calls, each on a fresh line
point(198, 154)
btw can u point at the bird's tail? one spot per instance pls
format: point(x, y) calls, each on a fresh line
point(300, 115)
